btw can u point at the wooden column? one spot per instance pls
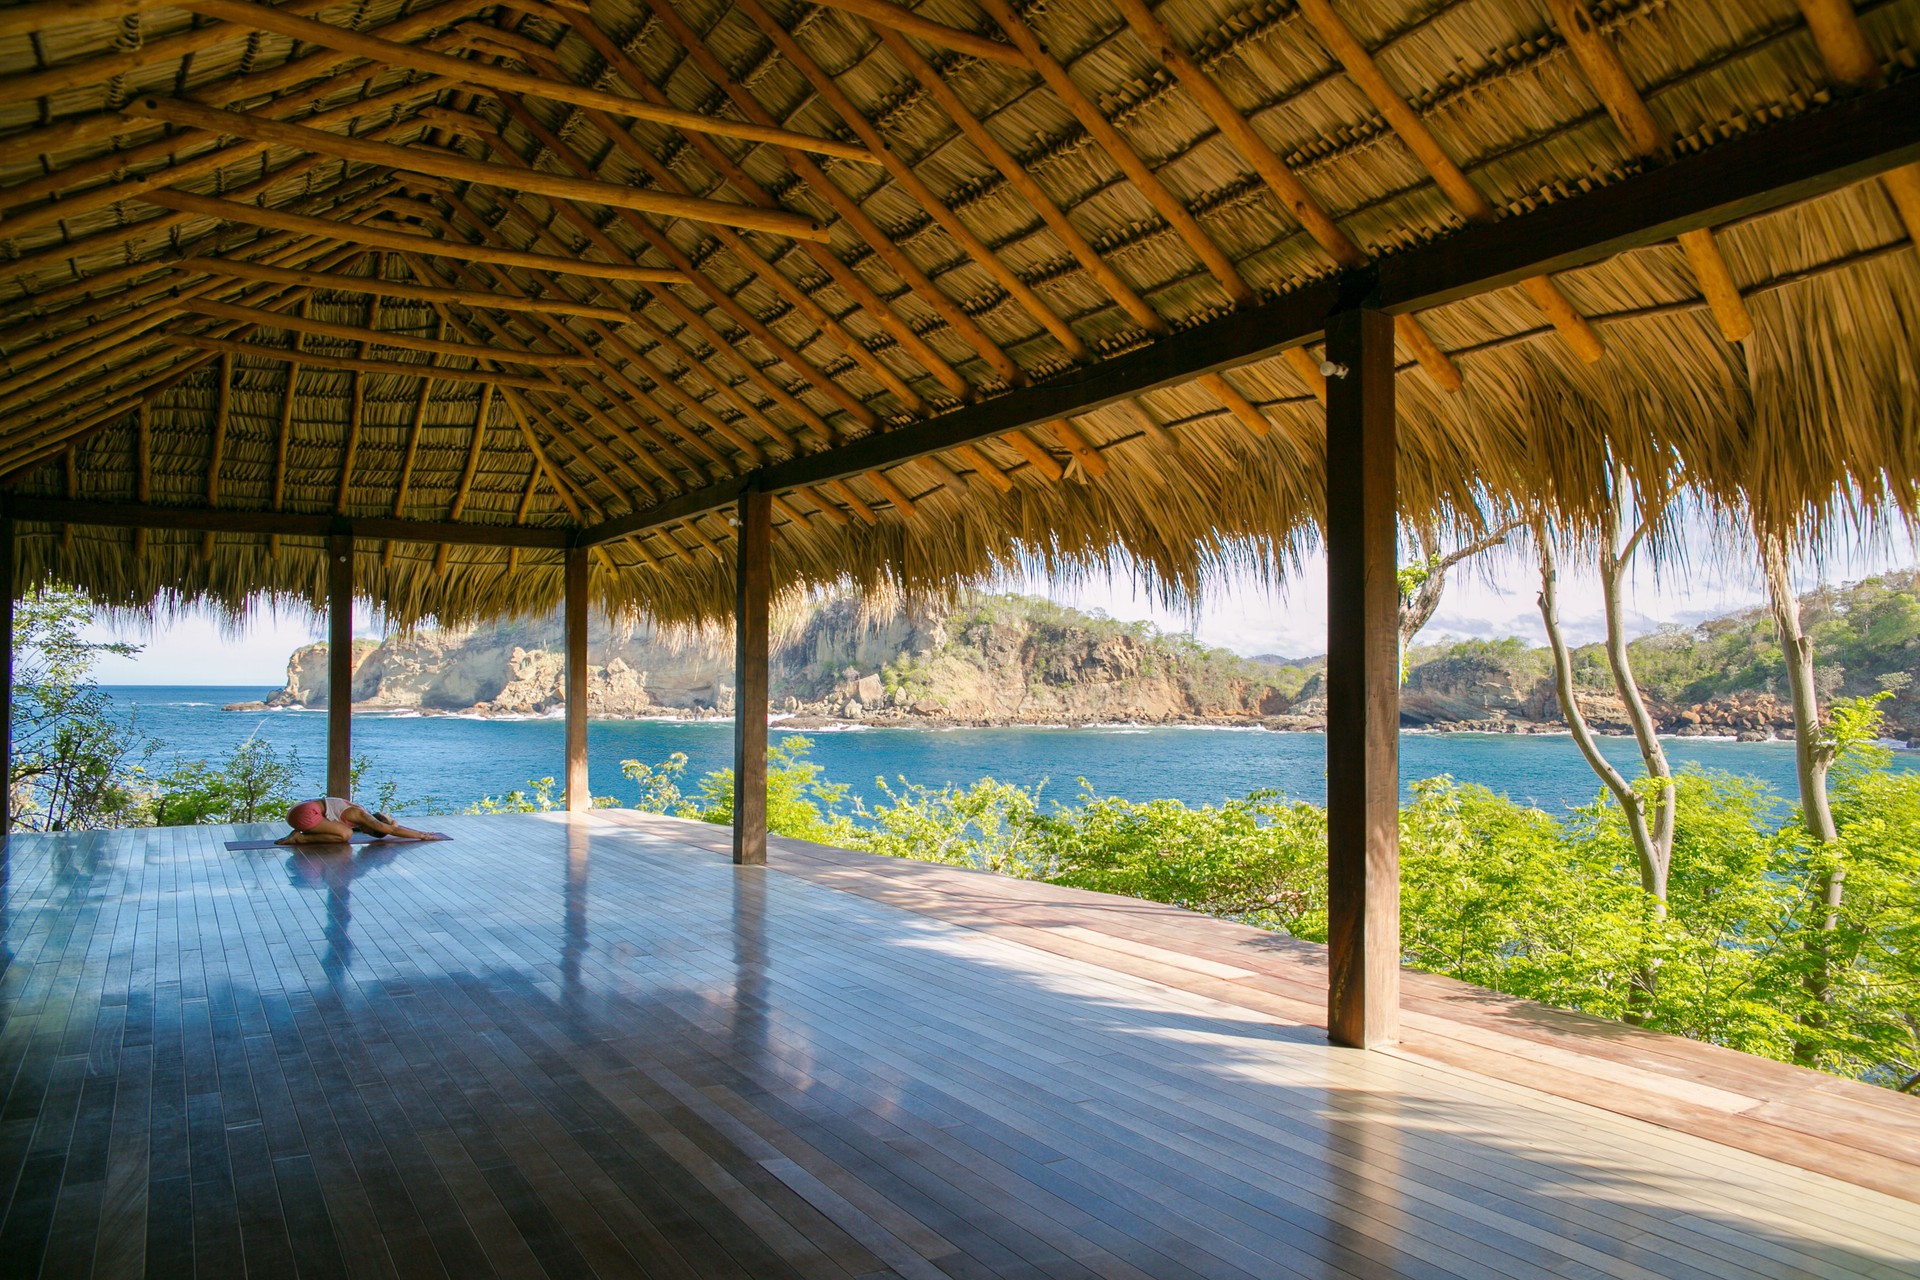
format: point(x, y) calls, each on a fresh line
point(6, 677)
point(1363, 686)
point(339, 664)
point(752, 582)
point(579, 797)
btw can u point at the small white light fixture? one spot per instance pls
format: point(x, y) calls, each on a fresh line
point(1328, 369)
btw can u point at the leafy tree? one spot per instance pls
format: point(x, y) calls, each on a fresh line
point(1261, 859)
point(253, 784)
point(537, 798)
point(75, 765)
point(990, 826)
point(659, 783)
point(1497, 894)
point(800, 802)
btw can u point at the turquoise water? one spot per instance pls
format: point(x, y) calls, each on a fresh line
point(454, 761)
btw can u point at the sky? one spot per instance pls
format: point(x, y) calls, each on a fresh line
point(1492, 597)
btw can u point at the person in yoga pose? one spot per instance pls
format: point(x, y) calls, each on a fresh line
point(332, 820)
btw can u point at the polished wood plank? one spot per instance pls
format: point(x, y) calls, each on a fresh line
point(587, 1045)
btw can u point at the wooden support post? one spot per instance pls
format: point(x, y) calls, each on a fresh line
point(6, 676)
point(1363, 694)
point(752, 583)
point(579, 798)
point(339, 664)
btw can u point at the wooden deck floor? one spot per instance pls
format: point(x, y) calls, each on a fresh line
point(592, 1047)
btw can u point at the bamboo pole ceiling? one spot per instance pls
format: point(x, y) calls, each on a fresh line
point(560, 265)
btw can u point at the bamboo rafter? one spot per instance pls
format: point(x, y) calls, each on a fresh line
point(463, 72)
point(447, 165)
point(850, 281)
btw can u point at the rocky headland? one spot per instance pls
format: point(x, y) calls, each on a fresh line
point(1006, 660)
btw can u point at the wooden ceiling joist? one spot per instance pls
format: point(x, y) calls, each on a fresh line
point(1765, 169)
point(447, 165)
point(701, 325)
point(749, 257)
point(376, 238)
point(856, 286)
point(1288, 190)
point(858, 221)
point(726, 302)
point(127, 515)
point(1353, 58)
point(1607, 75)
point(1121, 152)
point(883, 14)
point(351, 364)
point(43, 15)
point(400, 341)
point(57, 188)
point(473, 300)
point(461, 71)
point(1837, 34)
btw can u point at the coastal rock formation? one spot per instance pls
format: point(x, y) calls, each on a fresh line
point(1016, 660)
point(516, 669)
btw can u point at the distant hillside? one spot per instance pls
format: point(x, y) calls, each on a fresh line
point(1022, 660)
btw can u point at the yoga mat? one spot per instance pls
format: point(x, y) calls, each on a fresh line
point(242, 846)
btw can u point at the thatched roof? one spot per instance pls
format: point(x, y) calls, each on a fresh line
point(1019, 220)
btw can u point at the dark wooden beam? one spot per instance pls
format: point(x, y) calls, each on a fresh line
point(752, 587)
point(1766, 168)
point(131, 515)
point(579, 797)
point(1363, 685)
point(340, 665)
point(6, 676)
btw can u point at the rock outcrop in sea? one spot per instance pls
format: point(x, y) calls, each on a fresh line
point(1009, 660)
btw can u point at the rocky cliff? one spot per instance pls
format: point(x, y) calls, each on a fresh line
point(1017, 660)
point(999, 660)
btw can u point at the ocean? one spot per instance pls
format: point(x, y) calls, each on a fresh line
point(449, 762)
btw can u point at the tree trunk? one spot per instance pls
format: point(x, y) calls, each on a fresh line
point(1632, 804)
point(1812, 756)
point(1657, 861)
point(1417, 606)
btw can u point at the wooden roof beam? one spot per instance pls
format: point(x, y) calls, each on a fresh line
point(665, 417)
point(61, 202)
point(1352, 57)
point(375, 238)
point(1287, 188)
point(560, 387)
point(461, 71)
point(707, 331)
point(350, 364)
point(1768, 168)
point(1607, 75)
point(440, 164)
point(658, 446)
point(43, 15)
point(52, 435)
point(297, 82)
point(1850, 60)
point(751, 259)
point(851, 282)
point(1109, 139)
point(473, 300)
point(44, 373)
point(815, 376)
point(129, 515)
point(638, 319)
point(894, 18)
point(858, 222)
point(399, 341)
